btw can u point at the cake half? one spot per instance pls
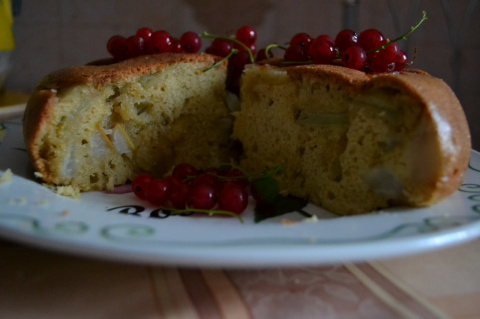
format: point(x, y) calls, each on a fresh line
point(94, 127)
point(350, 142)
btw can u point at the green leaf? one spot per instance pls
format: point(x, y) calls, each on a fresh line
point(266, 188)
point(280, 206)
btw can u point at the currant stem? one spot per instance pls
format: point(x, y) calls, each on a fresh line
point(232, 52)
point(203, 211)
point(404, 36)
point(208, 35)
point(272, 46)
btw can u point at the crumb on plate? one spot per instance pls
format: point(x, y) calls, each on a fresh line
point(70, 191)
point(288, 222)
point(312, 219)
point(6, 176)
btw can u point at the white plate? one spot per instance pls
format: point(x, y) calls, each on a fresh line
point(106, 226)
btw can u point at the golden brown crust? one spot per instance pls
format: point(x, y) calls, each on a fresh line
point(446, 114)
point(336, 73)
point(36, 116)
point(101, 75)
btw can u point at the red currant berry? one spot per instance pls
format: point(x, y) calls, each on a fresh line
point(370, 57)
point(354, 58)
point(221, 47)
point(322, 51)
point(296, 53)
point(117, 46)
point(177, 47)
point(252, 47)
point(233, 198)
point(247, 35)
point(140, 185)
point(327, 38)
point(401, 61)
point(157, 192)
point(239, 60)
point(190, 42)
point(235, 176)
point(302, 39)
point(262, 55)
point(236, 64)
point(205, 178)
point(173, 181)
point(345, 39)
point(135, 46)
point(383, 62)
point(160, 42)
point(179, 192)
point(371, 39)
point(183, 171)
point(392, 49)
point(144, 33)
point(202, 196)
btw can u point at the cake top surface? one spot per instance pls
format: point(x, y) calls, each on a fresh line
point(100, 75)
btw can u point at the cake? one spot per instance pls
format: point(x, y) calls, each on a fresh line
point(351, 142)
point(97, 126)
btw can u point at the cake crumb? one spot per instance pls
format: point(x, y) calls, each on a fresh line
point(68, 191)
point(43, 202)
point(312, 219)
point(6, 176)
point(38, 175)
point(288, 222)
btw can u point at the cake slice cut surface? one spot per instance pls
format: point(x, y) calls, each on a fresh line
point(350, 142)
point(94, 127)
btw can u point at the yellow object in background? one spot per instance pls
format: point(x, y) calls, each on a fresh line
point(7, 42)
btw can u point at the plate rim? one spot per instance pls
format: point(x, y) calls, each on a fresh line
point(303, 255)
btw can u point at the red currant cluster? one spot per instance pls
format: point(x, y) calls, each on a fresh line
point(222, 46)
point(146, 41)
point(240, 51)
point(188, 188)
point(370, 51)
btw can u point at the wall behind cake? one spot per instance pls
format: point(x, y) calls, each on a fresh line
point(52, 34)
